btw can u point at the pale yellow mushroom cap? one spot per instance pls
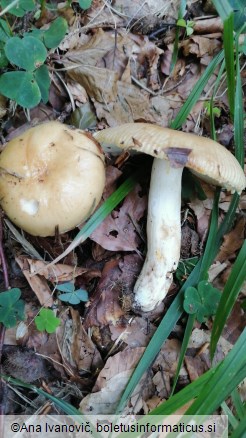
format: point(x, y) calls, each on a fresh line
point(51, 175)
point(203, 156)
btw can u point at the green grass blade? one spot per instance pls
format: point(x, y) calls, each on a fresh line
point(226, 13)
point(187, 334)
point(191, 391)
point(239, 113)
point(216, 86)
point(197, 90)
point(166, 326)
point(233, 286)
point(229, 296)
point(107, 207)
point(224, 380)
point(161, 334)
point(211, 249)
point(231, 418)
point(184, 396)
point(238, 404)
point(66, 407)
point(239, 432)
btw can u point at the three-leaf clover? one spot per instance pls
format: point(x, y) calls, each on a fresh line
point(11, 307)
point(71, 295)
point(47, 321)
point(188, 25)
point(202, 301)
point(30, 84)
point(214, 110)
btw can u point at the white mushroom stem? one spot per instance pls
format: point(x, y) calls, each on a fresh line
point(163, 236)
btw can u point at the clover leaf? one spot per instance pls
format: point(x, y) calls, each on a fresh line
point(22, 7)
point(28, 52)
point(71, 295)
point(202, 301)
point(56, 32)
point(11, 307)
point(85, 4)
point(21, 87)
point(47, 321)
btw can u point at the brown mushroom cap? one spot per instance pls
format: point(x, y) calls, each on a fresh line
point(203, 156)
point(52, 175)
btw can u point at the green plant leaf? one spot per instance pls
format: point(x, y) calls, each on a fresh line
point(43, 80)
point(202, 301)
point(22, 7)
point(226, 13)
point(239, 13)
point(84, 117)
point(3, 59)
point(71, 295)
point(36, 33)
point(66, 287)
point(191, 187)
point(11, 307)
point(239, 432)
point(28, 53)
point(68, 408)
point(184, 346)
point(56, 32)
point(21, 87)
point(74, 297)
point(5, 32)
point(226, 377)
point(47, 321)
point(181, 22)
point(85, 4)
point(196, 92)
point(229, 296)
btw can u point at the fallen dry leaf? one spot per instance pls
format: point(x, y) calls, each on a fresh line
point(56, 273)
point(84, 353)
point(111, 382)
point(105, 307)
point(117, 280)
point(215, 270)
point(118, 231)
point(37, 283)
point(200, 46)
point(136, 333)
point(232, 241)
point(24, 364)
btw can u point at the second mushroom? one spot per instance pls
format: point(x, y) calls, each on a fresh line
point(173, 150)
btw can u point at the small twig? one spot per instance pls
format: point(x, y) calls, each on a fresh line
point(143, 86)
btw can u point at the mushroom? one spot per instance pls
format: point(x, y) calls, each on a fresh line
point(51, 176)
point(173, 150)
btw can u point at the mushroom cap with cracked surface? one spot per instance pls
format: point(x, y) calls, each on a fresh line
point(51, 176)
